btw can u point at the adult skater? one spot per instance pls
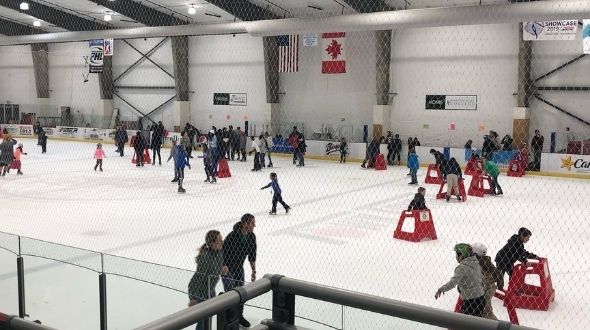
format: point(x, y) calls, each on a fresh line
point(173, 156)
point(418, 203)
point(268, 143)
point(263, 150)
point(239, 244)
point(469, 282)
point(209, 266)
point(514, 251)
point(397, 150)
point(453, 175)
point(6, 153)
point(180, 162)
point(537, 147)
point(43, 140)
point(139, 146)
point(157, 140)
point(120, 139)
point(99, 155)
point(390, 147)
point(256, 150)
point(243, 143)
point(214, 153)
point(492, 278)
point(276, 197)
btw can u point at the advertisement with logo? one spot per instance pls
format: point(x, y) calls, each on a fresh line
point(12, 129)
point(49, 131)
point(565, 163)
point(332, 148)
point(550, 30)
point(94, 134)
point(66, 131)
point(26, 130)
point(451, 102)
point(239, 99)
point(96, 55)
point(586, 36)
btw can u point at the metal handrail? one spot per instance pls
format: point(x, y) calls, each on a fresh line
point(357, 300)
point(13, 322)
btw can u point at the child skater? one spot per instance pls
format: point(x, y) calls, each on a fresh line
point(207, 163)
point(99, 155)
point(180, 162)
point(343, 150)
point(276, 197)
point(418, 203)
point(413, 165)
point(16, 163)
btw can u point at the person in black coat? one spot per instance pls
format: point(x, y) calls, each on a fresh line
point(43, 140)
point(514, 251)
point(238, 245)
point(390, 147)
point(139, 147)
point(157, 140)
point(418, 203)
point(120, 139)
point(397, 149)
point(441, 161)
point(537, 147)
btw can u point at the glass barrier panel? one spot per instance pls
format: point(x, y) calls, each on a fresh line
point(9, 242)
point(8, 283)
point(61, 295)
point(79, 257)
point(361, 319)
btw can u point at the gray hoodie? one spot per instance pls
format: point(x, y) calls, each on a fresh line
point(467, 278)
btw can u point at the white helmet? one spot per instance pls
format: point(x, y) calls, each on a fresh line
point(479, 249)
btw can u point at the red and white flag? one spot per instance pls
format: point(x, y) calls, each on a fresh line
point(288, 53)
point(333, 54)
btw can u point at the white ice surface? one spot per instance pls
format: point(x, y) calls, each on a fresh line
point(339, 232)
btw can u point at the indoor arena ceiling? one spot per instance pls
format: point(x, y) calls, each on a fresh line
point(83, 15)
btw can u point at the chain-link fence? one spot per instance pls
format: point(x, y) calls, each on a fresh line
point(482, 103)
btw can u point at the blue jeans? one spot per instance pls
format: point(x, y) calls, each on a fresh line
point(214, 160)
point(233, 279)
point(413, 174)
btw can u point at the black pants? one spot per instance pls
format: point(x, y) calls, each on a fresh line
point(473, 306)
point(343, 157)
point(139, 157)
point(180, 171)
point(235, 149)
point(390, 156)
point(98, 164)
point(188, 152)
point(243, 152)
point(120, 147)
point(257, 161)
point(278, 198)
point(234, 279)
point(156, 149)
point(262, 159)
point(396, 153)
point(44, 147)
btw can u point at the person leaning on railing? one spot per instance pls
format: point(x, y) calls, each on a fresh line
point(209, 266)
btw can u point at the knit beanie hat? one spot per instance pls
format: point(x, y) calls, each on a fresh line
point(463, 249)
point(479, 249)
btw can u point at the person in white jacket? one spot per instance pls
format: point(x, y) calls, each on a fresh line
point(269, 145)
point(256, 150)
point(469, 281)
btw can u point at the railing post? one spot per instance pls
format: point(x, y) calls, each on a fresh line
point(102, 293)
point(229, 319)
point(20, 271)
point(283, 304)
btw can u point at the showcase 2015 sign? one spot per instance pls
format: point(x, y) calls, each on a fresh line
point(451, 102)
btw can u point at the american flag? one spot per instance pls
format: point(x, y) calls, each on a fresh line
point(288, 53)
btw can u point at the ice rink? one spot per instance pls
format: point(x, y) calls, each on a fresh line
point(338, 233)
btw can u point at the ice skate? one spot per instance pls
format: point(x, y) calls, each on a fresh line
point(181, 190)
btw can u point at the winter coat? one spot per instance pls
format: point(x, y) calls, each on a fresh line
point(262, 144)
point(237, 247)
point(99, 154)
point(439, 158)
point(157, 136)
point(140, 144)
point(344, 148)
point(212, 142)
point(17, 153)
point(453, 168)
point(235, 138)
point(173, 153)
point(275, 186)
point(269, 144)
point(468, 278)
point(243, 140)
point(491, 274)
point(397, 145)
point(512, 252)
point(373, 149)
point(202, 284)
point(6, 151)
point(418, 203)
point(121, 136)
point(413, 163)
point(537, 142)
point(185, 141)
point(491, 168)
point(389, 142)
point(180, 160)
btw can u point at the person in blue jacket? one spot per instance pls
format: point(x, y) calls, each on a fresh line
point(276, 197)
point(413, 165)
point(180, 162)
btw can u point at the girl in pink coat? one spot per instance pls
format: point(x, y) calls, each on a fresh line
point(16, 163)
point(99, 155)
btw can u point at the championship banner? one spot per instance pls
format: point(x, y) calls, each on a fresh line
point(550, 30)
point(96, 55)
point(586, 36)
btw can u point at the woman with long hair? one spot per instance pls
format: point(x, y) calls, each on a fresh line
point(209, 266)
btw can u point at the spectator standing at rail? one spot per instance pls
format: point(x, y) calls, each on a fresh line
point(120, 139)
point(537, 147)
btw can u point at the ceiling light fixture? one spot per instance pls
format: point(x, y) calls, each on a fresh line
point(108, 17)
point(315, 7)
point(36, 23)
point(24, 6)
point(213, 15)
point(192, 10)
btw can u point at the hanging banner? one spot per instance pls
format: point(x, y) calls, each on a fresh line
point(586, 36)
point(310, 40)
point(108, 47)
point(96, 55)
point(230, 99)
point(550, 30)
point(451, 102)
